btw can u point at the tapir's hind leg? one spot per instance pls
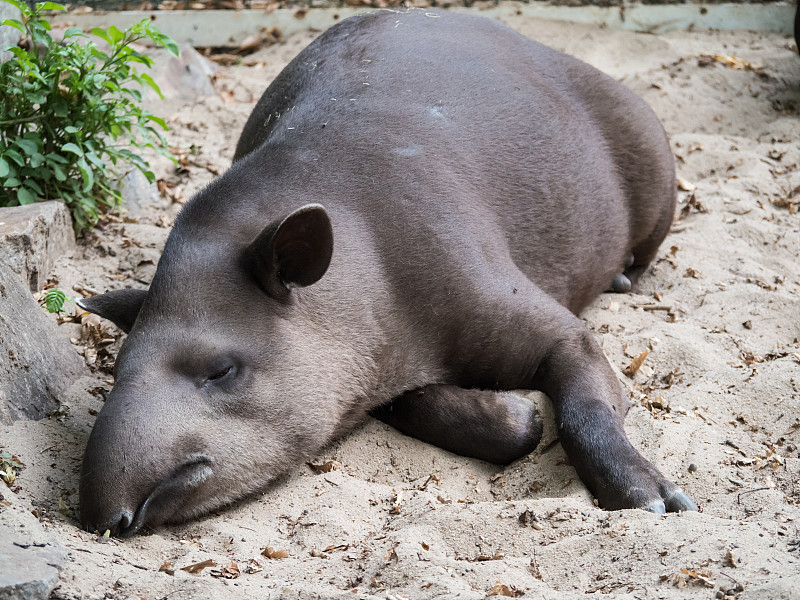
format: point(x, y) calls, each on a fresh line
point(498, 427)
point(539, 344)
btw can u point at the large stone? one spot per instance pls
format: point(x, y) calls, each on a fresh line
point(32, 237)
point(36, 361)
point(30, 559)
point(8, 35)
point(182, 80)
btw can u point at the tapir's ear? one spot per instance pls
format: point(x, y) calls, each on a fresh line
point(294, 251)
point(121, 306)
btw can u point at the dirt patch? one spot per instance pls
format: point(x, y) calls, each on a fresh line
point(716, 401)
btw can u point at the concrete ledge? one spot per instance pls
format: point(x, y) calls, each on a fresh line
point(230, 28)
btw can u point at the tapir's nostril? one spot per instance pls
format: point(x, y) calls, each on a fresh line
point(118, 524)
point(125, 520)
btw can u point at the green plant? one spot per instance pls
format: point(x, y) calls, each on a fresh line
point(54, 300)
point(70, 114)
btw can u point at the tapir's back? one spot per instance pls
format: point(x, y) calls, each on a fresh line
point(444, 121)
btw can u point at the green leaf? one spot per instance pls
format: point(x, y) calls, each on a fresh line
point(70, 147)
point(164, 40)
point(86, 174)
point(28, 147)
point(60, 108)
point(115, 34)
point(95, 160)
point(50, 6)
point(31, 184)
point(15, 156)
point(72, 31)
point(158, 120)
point(71, 129)
point(53, 158)
point(59, 172)
point(37, 160)
point(102, 34)
point(4, 167)
point(54, 300)
point(25, 196)
point(152, 84)
point(15, 24)
point(21, 6)
point(11, 182)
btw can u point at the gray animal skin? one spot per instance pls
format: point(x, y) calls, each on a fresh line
point(418, 206)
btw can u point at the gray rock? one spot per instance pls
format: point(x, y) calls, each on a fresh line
point(138, 193)
point(36, 361)
point(182, 80)
point(8, 35)
point(30, 558)
point(32, 237)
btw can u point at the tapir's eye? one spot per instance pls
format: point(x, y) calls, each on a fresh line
point(220, 374)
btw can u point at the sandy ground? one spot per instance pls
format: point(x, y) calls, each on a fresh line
point(716, 405)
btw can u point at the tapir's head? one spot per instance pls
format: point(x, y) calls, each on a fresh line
point(227, 378)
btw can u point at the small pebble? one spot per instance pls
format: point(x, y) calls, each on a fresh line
point(692, 468)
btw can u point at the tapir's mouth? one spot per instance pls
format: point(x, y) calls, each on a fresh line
point(171, 494)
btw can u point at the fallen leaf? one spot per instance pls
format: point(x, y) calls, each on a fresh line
point(732, 62)
point(702, 576)
point(636, 364)
point(198, 567)
point(501, 589)
point(253, 566)
point(325, 467)
point(273, 554)
point(166, 567)
point(231, 571)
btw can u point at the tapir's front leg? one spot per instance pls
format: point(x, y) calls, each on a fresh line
point(590, 408)
point(498, 427)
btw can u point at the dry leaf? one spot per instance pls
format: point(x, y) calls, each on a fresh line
point(273, 554)
point(198, 567)
point(483, 557)
point(500, 589)
point(325, 467)
point(700, 576)
point(166, 567)
point(685, 185)
point(253, 566)
point(732, 62)
point(229, 572)
point(250, 44)
point(636, 364)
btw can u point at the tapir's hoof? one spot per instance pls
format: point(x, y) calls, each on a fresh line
point(621, 284)
point(676, 502)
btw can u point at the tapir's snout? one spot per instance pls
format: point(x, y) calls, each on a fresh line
point(124, 514)
point(145, 464)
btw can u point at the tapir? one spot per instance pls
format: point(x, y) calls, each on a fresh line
point(417, 208)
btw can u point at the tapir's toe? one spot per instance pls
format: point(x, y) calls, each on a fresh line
point(679, 501)
point(621, 284)
point(658, 507)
